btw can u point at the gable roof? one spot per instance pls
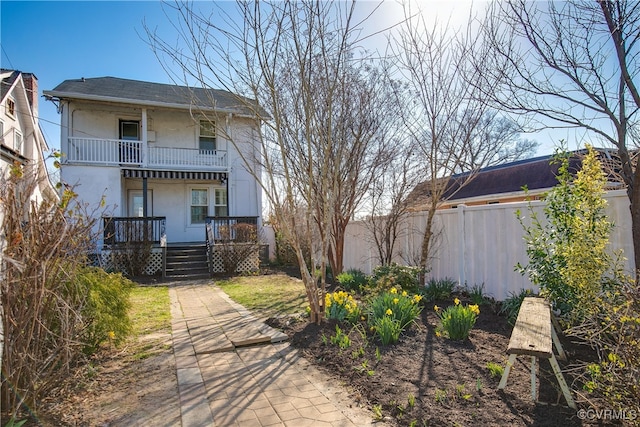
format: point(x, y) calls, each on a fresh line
point(8, 79)
point(112, 89)
point(536, 174)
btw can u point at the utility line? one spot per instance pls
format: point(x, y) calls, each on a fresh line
point(7, 56)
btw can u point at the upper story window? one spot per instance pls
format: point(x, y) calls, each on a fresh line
point(207, 136)
point(11, 107)
point(17, 141)
point(130, 130)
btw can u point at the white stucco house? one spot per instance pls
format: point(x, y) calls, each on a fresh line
point(161, 154)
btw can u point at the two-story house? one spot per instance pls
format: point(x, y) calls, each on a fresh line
point(160, 155)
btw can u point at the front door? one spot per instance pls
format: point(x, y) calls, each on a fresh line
point(136, 203)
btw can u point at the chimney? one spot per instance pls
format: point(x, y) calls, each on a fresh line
point(31, 85)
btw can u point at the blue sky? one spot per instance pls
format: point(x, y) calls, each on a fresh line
point(68, 40)
point(60, 40)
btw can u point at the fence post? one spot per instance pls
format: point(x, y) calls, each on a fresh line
point(462, 266)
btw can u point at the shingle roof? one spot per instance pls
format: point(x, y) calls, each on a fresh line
point(8, 78)
point(536, 174)
point(139, 92)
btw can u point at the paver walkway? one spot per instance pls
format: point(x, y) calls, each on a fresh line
point(234, 370)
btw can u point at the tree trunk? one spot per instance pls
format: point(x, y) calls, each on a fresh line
point(426, 243)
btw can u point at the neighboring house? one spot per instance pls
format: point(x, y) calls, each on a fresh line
point(160, 155)
point(21, 139)
point(505, 183)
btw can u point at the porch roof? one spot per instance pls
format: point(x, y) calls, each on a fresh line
point(171, 174)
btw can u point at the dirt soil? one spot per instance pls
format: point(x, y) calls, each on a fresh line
point(135, 385)
point(449, 380)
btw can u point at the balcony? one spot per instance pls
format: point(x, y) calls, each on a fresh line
point(136, 153)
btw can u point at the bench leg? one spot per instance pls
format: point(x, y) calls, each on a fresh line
point(556, 342)
point(562, 382)
point(534, 395)
point(507, 369)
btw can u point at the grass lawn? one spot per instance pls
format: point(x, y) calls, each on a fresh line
point(150, 310)
point(268, 295)
point(150, 316)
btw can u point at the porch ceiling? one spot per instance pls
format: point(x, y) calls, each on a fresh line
point(169, 174)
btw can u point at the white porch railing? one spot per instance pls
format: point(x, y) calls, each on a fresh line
point(165, 156)
point(115, 151)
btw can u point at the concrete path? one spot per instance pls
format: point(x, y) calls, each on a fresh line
point(234, 370)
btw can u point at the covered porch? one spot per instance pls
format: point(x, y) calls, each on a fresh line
point(138, 246)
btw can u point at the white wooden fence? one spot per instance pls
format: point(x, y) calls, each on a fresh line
point(474, 244)
point(479, 244)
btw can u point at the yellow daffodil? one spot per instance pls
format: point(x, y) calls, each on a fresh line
point(475, 309)
point(436, 308)
point(417, 298)
point(389, 312)
point(396, 300)
point(393, 291)
point(404, 293)
point(112, 335)
point(456, 301)
point(438, 334)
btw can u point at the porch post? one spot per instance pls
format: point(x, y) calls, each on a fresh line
point(145, 141)
point(144, 197)
point(145, 214)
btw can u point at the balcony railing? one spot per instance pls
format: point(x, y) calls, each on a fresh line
point(240, 229)
point(115, 151)
point(120, 230)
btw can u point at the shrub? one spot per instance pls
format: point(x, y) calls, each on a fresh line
point(341, 306)
point(439, 289)
point(567, 253)
point(44, 246)
point(456, 321)
point(404, 278)
point(511, 306)
point(352, 280)
point(614, 330)
point(398, 307)
point(106, 311)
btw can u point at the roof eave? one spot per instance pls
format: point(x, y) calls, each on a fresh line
point(146, 103)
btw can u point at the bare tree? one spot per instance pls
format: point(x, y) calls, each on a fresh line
point(366, 128)
point(454, 130)
point(573, 65)
point(288, 62)
point(388, 203)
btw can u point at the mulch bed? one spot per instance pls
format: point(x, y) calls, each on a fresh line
point(449, 380)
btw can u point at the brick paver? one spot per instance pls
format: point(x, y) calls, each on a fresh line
point(224, 382)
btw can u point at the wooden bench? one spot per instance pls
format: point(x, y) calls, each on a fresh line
point(534, 335)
